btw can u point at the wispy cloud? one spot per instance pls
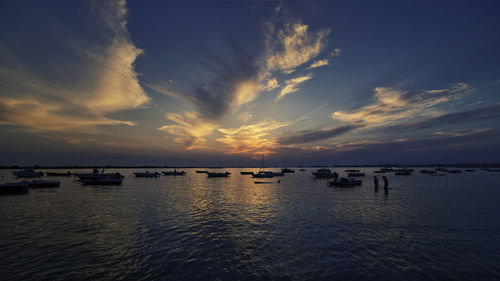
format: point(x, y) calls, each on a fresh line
point(394, 104)
point(319, 63)
point(104, 80)
point(291, 85)
point(293, 45)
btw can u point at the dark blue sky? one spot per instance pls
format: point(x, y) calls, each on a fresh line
point(222, 82)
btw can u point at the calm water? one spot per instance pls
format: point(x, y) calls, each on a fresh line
point(197, 228)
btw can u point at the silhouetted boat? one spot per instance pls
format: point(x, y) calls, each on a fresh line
point(201, 172)
point(41, 183)
point(28, 173)
point(428, 171)
point(146, 174)
point(262, 182)
point(218, 174)
point(287, 170)
point(356, 174)
point(246, 173)
point(14, 188)
point(102, 181)
point(403, 172)
point(57, 174)
point(174, 173)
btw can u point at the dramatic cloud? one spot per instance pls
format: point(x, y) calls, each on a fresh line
point(101, 79)
point(394, 104)
point(312, 136)
point(319, 63)
point(189, 131)
point(291, 85)
point(293, 45)
point(252, 139)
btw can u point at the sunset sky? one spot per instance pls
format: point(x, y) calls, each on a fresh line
point(223, 82)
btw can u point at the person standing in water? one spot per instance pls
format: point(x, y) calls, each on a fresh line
point(386, 183)
point(375, 182)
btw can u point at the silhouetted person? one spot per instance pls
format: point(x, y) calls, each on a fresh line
point(386, 184)
point(375, 182)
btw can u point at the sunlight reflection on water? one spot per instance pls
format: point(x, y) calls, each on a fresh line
point(198, 228)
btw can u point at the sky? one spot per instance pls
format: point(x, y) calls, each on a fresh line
point(224, 82)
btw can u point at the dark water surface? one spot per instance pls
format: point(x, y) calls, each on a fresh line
point(197, 228)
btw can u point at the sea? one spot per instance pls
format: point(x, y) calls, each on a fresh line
point(295, 227)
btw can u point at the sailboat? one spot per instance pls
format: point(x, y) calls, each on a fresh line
point(287, 170)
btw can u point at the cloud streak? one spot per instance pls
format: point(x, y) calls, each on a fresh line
point(102, 81)
point(318, 135)
point(291, 85)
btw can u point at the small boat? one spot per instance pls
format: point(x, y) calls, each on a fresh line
point(201, 171)
point(57, 174)
point(218, 174)
point(403, 172)
point(356, 174)
point(146, 174)
point(263, 182)
point(14, 188)
point(440, 169)
point(352, 171)
point(246, 173)
point(324, 173)
point(102, 181)
point(302, 170)
point(41, 183)
point(27, 173)
point(279, 174)
point(174, 173)
point(100, 178)
point(287, 170)
point(344, 182)
point(428, 171)
point(264, 174)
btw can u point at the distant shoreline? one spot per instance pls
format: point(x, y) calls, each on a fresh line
point(458, 165)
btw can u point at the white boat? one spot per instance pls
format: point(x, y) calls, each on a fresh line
point(325, 173)
point(96, 178)
point(264, 174)
point(27, 173)
point(14, 188)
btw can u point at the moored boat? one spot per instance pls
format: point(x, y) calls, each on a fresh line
point(324, 173)
point(57, 174)
point(201, 171)
point(146, 174)
point(264, 174)
point(27, 173)
point(346, 182)
point(14, 188)
point(174, 173)
point(356, 174)
point(218, 174)
point(41, 183)
point(287, 170)
point(246, 173)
